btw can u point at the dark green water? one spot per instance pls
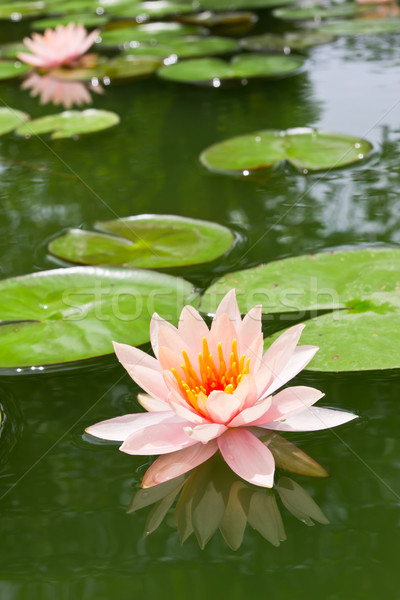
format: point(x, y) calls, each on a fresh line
point(64, 530)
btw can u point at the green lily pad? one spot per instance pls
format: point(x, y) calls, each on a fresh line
point(319, 10)
point(240, 4)
point(188, 46)
point(228, 22)
point(9, 69)
point(12, 49)
point(299, 40)
point(211, 71)
point(360, 287)
point(19, 10)
point(305, 148)
point(125, 68)
point(72, 314)
point(147, 241)
point(87, 20)
point(130, 37)
point(70, 123)
point(155, 9)
point(362, 26)
point(10, 119)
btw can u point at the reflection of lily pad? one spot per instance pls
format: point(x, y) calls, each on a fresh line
point(87, 20)
point(211, 71)
point(10, 119)
point(319, 10)
point(227, 22)
point(130, 37)
point(187, 46)
point(70, 123)
point(360, 287)
point(304, 148)
point(71, 314)
point(362, 26)
point(149, 241)
point(299, 40)
point(9, 69)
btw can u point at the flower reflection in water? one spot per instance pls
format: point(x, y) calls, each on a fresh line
point(213, 498)
point(58, 91)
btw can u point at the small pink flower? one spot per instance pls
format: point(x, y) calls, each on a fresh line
point(62, 46)
point(213, 390)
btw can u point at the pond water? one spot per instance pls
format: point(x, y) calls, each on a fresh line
point(64, 528)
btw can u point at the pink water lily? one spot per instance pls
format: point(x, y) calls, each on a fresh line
point(62, 46)
point(214, 389)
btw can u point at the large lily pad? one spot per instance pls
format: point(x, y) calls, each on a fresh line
point(130, 37)
point(188, 46)
point(126, 68)
point(227, 22)
point(287, 42)
point(10, 119)
point(87, 20)
point(19, 10)
point(70, 123)
point(362, 26)
point(149, 241)
point(360, 287)
point(319, 10)
point(10, 69)
point(155, 9)
point(72, 314)
point(305, 148)
point(211, 71)
point(240, 4)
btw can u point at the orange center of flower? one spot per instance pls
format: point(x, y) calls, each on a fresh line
point(211, 377)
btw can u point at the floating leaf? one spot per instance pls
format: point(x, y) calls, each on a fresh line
point(299, 40)
point(299, 502)
point(9, 69)
point(130, 37)
point(10, 119)
point(87, 20)
point(218, 5)
point(72, 314)
point(149, 241)
point(319, 10)
point(123, 68)
point(362, 26)
point(228, 22)
point(12, 49)
point(70, 123)
point(361, 287)
point(155, 9)
point(188, 46)
point(18, 10)
point(211, 71)
point(305, 148)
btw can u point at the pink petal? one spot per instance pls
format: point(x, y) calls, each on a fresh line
point(250, 415)
point(120, 428)
point(279, 353)
point(169, 466)
point(250, 328)
point(247, 456)
point(31, 59)
point(155, 324)
point(158, 439)
point(290, 401)
point(246, 391)
point(129, 357)
point(152, 404)
point(192, 329)
point(150, 381)
point(184, 410)
point(222, 407)
point(222, 332)
point(312, 419)
point(229, 306)
point(299, 360)
point(170, 359)
point(205, 433)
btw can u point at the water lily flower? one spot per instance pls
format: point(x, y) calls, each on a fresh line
point(214, 389)
point(62, 46)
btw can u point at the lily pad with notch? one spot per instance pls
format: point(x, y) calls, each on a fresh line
point(305, 148)
point(146, 241)
point(72, 314)
point(359, 288)
point(213, 71)
point(70, 123)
